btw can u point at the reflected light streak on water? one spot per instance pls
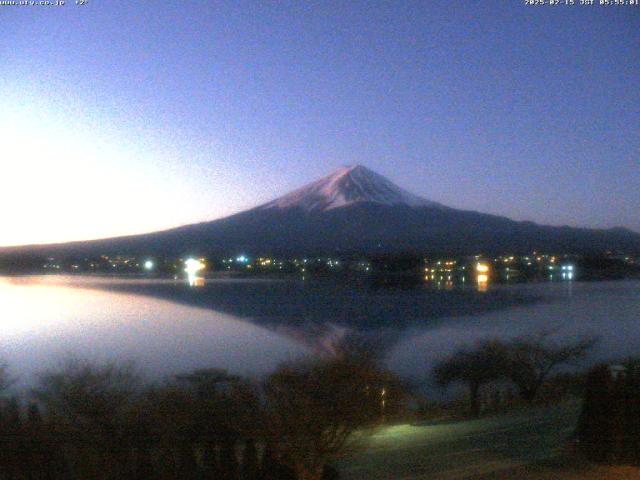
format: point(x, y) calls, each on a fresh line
point(42, 323)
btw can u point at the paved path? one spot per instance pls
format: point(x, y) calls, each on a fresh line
point(461, 449)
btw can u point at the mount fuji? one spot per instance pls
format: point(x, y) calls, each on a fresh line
point(357, 210)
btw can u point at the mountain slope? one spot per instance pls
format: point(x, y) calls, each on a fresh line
point(357, 210)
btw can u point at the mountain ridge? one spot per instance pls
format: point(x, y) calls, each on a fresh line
point(354, 209)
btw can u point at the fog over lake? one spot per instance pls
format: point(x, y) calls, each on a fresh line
point(249, 326)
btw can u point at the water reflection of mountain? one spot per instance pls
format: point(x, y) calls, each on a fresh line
point(327, 315)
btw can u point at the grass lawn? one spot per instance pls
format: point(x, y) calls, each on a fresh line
point(564, 468)
point(497, 445)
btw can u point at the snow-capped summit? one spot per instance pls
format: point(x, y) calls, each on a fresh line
point(347, 186)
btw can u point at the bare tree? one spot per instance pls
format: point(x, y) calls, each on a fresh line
point(313, 409)
point(531, 359)
point(473, 367)
point(89, 407)
point(82, 392)
point(208, 414)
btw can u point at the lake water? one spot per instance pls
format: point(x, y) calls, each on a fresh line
point(250, 326)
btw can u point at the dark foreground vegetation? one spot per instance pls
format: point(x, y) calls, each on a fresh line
point(98, 422)
point(608, 429)
point(609, 426)
point(525, 363)
point(85, 421)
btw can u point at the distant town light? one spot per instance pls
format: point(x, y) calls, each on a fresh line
point(482, 268)
point(148, 265)
point(192, 267)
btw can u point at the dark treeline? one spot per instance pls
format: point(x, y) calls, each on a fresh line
point(609, 425)
point(100, 422)
point(385, 268)
point(524, 362)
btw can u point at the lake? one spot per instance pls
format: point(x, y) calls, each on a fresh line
point(249, 326)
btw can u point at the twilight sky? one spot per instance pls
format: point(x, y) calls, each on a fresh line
point(125, 117)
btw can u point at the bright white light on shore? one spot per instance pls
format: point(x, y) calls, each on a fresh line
point(192, 267)
point(148, 265)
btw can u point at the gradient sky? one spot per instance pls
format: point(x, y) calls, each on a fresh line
point(124, 117)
